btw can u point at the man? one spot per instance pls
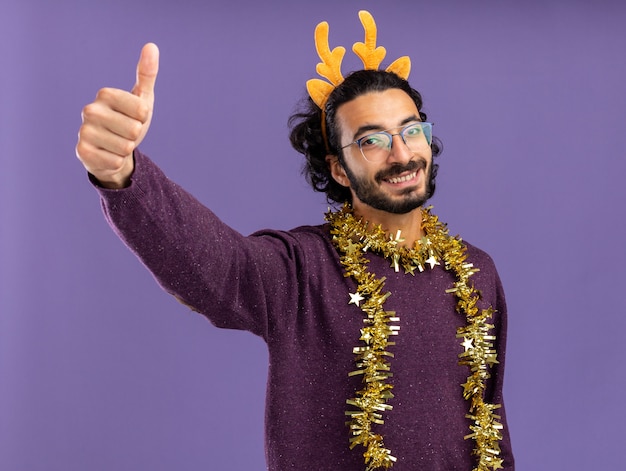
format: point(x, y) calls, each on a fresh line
point(375, 318)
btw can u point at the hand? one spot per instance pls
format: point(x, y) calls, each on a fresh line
point(116, 123)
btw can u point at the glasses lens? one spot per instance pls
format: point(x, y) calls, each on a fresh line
point(375, 147)
point(418, 135)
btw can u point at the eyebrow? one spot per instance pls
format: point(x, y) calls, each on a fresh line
point(378, 127)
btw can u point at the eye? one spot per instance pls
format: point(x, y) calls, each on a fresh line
point(413, 130)
point(373, 140)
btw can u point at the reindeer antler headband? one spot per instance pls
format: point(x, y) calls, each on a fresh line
point(330, 67)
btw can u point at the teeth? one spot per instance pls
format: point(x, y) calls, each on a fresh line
point(403, 179)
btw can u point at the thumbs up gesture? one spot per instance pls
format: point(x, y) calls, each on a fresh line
point(116, 123)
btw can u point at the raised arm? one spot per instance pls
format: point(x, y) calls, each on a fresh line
point(116, 123)
point(205, 264)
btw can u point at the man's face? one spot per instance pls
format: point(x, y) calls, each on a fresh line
point(398, 184)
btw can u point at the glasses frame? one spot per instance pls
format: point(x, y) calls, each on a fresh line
point(390, 135)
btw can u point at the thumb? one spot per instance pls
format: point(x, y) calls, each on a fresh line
point(147, 70)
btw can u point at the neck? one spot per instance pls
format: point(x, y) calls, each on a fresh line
point(410, 224)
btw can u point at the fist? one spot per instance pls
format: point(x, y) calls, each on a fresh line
point(116, 123)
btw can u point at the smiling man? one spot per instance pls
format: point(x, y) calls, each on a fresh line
point(386, 336)
point(387, 166)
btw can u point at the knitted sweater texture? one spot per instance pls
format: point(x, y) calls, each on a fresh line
point(289, 288)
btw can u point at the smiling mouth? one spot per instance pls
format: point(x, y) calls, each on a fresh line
point(402, 179)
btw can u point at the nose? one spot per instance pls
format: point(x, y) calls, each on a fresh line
point(399, 151)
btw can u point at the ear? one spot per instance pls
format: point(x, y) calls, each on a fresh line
point(337, 171)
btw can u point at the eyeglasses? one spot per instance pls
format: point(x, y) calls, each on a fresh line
point(376, 147)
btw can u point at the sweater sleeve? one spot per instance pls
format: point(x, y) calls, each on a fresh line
point(488, 281)
point(235, 281)
point(498, 374)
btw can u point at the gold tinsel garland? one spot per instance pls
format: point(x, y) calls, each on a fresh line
point(353, 238)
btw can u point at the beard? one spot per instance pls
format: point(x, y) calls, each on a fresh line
point(369, 192)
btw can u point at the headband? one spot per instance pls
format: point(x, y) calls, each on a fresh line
point(330, 67)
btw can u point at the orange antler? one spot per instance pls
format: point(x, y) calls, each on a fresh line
point(329, 68)
point(367, 51)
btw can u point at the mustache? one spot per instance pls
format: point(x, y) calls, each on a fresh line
point(397, 169)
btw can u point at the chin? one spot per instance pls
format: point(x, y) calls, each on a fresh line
point(401, 205)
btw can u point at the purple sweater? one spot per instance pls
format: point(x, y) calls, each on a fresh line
point(289, 288)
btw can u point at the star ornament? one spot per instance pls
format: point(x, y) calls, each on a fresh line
point(351, 248)
point(497, 464)
point(355, 298)
point(432, 261)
